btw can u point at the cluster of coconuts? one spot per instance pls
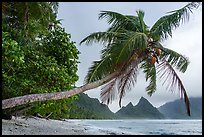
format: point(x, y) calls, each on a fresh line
point(154, 57)
point(153, 52)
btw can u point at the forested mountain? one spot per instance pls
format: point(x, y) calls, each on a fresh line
point(176, 109)
point(90, 108)
point(144, 109)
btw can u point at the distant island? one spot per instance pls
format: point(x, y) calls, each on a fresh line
point(143, 110)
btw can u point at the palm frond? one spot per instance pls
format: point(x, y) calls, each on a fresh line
point(127, 22)
point(118, 20)
point(128, 76)
point(99, 70)
point(106, 65)
point(134, 41)
point(101, 37)
point(165, 70)
point(126, 26)
point(164, 26)
point(150, 73)
point(129, 72)
point(127, 80)
point(119, 51)
point(108, 92)
point(142, 24)
point(175, 59)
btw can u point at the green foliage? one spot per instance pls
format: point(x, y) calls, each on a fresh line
point(29, 18)
point(37, 59)
point(12, 62)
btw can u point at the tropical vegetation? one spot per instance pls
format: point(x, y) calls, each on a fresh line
point(38, 56)
point(129, 46)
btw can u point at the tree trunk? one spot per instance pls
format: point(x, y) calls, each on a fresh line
point(16, 101)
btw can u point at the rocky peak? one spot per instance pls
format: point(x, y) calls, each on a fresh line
point(130, 105)
point(144, 102)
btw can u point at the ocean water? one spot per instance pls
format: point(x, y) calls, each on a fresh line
point(148, 127)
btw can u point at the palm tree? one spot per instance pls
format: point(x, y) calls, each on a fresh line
point(130, 45)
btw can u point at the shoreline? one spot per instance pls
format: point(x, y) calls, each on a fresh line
point(40, 126)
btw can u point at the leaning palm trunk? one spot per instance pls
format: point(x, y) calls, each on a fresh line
point(16, 101)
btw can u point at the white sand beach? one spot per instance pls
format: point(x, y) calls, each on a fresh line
point(39, 126)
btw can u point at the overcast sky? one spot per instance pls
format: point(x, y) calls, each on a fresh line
point(81, 19)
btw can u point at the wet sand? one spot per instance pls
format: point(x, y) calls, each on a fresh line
point(40, 126)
